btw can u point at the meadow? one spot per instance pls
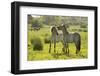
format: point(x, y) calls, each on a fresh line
point(43, 54)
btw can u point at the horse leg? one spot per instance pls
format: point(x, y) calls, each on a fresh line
point(54, 47)
point(63, 47)
point(50, 47)
point(76, 47)
point(79, 45)
point(67, 49)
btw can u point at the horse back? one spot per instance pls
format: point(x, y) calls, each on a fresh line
point(72, 37)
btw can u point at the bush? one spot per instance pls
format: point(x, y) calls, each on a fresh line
point(85, 30)
point(46, 34)
point(80, 30)
point(74, 29)
point(83, 26)
point(47, 40)
point(37, 44)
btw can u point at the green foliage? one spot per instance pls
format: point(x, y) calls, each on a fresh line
point(47, 39)
point(85, 30)
point(29, 19)
point(74, 29)
point(83, 26)
point(42, 37)
point(37, 43)
point(80, 30)
point(36, 22)
point(58, 20)
point(39, 40)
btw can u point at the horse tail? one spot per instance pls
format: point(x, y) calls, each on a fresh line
point(77, 40)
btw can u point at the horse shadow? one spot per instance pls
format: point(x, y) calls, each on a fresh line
point(58, 55)
point(65, 55)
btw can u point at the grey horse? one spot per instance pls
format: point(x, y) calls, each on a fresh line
point(55, 37)
point(70, 38)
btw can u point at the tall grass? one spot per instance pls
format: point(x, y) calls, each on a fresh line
point(44, 34)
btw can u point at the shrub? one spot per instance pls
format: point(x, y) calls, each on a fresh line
point(85, 30)
point(83, 26)
point(47, 39)
point(29, 45)
point(46, 34)
point(37, 43)
point(80, 30)
point(74, 29)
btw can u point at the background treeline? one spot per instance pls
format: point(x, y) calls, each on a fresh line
point(57, 20)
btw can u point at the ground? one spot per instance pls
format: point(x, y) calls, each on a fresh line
point(45, 55)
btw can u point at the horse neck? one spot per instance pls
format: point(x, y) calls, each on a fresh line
point(56, 32)
point(65, 31)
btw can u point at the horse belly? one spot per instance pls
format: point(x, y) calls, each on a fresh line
point(59, 37)
point(70, 38)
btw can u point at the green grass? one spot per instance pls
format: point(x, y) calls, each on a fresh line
point(45, 55)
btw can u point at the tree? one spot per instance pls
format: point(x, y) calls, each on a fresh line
point(52, 20)
point(30, 19)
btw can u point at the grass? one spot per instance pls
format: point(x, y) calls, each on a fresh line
point(45, 55)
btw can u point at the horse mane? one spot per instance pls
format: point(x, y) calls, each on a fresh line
point(65, 29)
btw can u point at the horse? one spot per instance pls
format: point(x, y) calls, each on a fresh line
point(55, 37)
point(70, 38)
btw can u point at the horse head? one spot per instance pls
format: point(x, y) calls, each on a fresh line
point(54, 30)
point(61, 27)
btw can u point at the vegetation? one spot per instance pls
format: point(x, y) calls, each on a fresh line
point(47, 40)
point(38, 41)
point(58, 20)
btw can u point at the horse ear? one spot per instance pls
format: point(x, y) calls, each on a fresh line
point(62, 24)
point(57, 32)
point(66, 25)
